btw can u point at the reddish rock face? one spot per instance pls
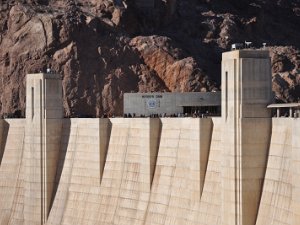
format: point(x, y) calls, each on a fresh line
point(286, 73)
point(106, 48)
point(179, 73)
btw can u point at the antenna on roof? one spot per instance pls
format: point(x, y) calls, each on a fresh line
point(248, 44)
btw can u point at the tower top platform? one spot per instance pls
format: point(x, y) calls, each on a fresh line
point(245, 53)
point(246, 83)
point(44, 75)
point(44, 96)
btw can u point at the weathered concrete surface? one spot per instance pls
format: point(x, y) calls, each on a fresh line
point(129, 169)
point(208, 211)
point(296, 172)
point(80, 171)
point(138, 188)
point(180, 170)
point(41, 146)
point(246, 91)
point(12, 141)
point(281, 187)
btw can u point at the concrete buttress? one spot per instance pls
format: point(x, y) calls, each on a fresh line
point(246, 92)
point(44, 114)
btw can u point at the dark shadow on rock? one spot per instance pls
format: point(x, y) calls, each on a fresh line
point(4, 134)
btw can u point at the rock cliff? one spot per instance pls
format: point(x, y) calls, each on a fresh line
point(106, 48)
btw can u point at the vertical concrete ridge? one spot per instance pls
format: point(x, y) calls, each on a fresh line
point(82, 190)
point(43, 137)
point(113, 169)
point(275, 205)
point(180, 170)
point(4, 126)
point(104, 137)
point(296, 172)
point(79, 172)
point(246, 92)
point(53, 130)
point(10, 168)
point(60, 157)
point(64, 171)
point(17, 215)
point(51, 140)
point(18, 203)
point(209, 210)
point(244, 161)
point(164, 174)
point(255, 144)
point(206, 127)
point(155, 137)
point(130, 162)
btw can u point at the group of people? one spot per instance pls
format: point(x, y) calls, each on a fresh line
point(162, 115)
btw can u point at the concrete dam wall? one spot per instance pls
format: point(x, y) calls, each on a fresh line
point(150, 171)
point(242, 168)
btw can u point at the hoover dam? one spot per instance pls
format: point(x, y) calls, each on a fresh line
point(242, 168)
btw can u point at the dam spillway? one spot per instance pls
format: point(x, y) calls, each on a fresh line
point(241, 168)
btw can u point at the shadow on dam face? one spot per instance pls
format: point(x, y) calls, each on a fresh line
point(107, 134)
point(66, 130)
point(156, 147)
point(66, 143)
point(3, 138)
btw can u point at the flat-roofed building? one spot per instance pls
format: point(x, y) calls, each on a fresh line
point(172, 103)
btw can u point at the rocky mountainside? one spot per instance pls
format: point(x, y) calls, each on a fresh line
point(104, 48)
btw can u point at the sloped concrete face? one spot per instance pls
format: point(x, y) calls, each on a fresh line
point(157, 171)
point(180, 170)
point(3, 132)
point(10, 168)
point(129, 169)
point(133, 172)
point(296, 172)
point(120, 191)
point(83, 150)
point(275, 206)
point(280, 198)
